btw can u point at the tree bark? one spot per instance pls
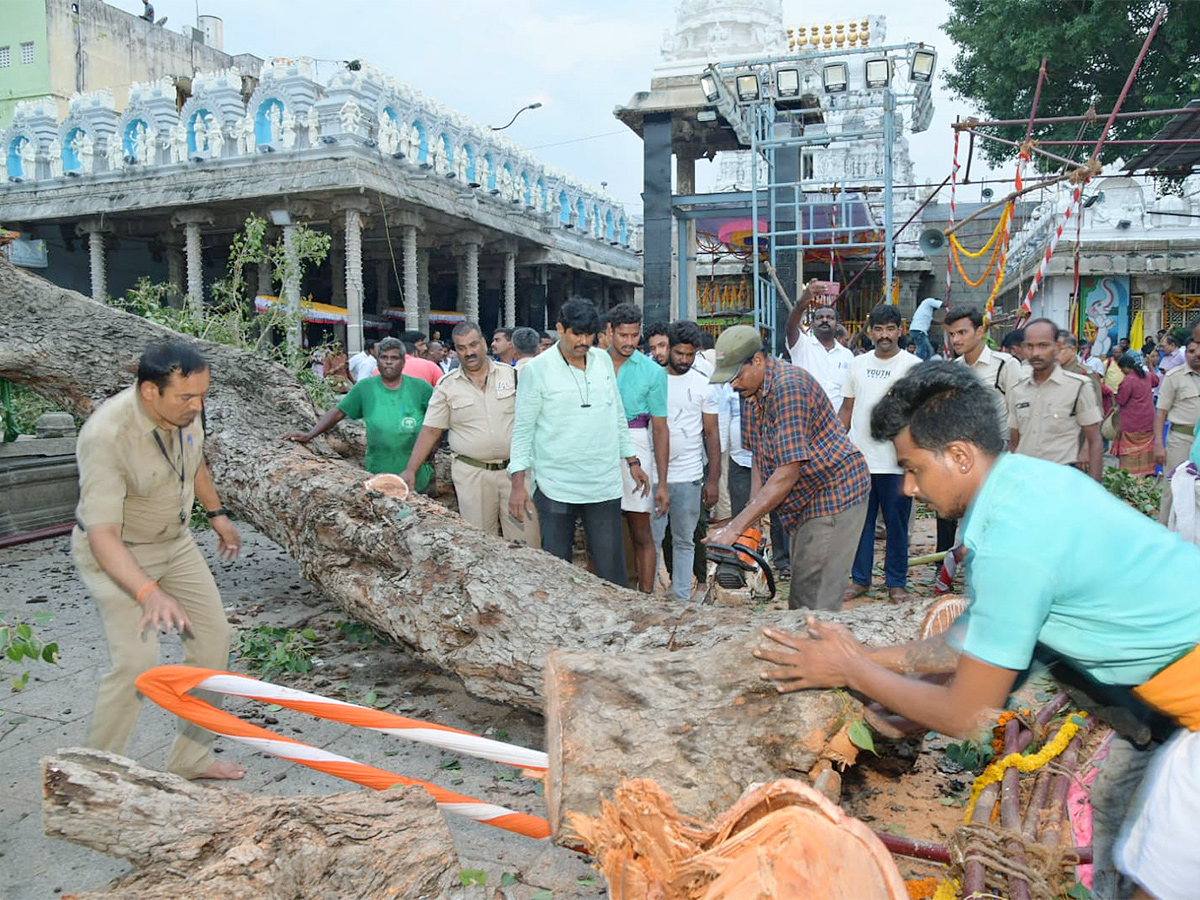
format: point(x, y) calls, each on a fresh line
point(187, 840)
point(464, 601)
point(701, 724)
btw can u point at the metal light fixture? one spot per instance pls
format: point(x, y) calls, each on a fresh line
point(706, 115)
point(878, 72)
point(787, 83)
point(748, 89)
point(835, 77)
point(709, 87)
point(921, 65)
point(280, 217)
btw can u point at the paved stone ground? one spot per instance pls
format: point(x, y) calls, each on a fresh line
point(262, 587)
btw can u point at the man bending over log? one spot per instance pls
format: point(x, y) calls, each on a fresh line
point(141, 465)
point(1032, 582)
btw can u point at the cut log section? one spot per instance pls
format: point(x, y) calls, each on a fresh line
point(701, 724)
point(209, 843)
point(780, 840)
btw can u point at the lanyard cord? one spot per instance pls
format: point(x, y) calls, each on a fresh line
point(181, 471)
point(584, 402)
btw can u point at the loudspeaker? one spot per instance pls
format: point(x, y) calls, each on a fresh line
point(986, 195)
point(931, 241)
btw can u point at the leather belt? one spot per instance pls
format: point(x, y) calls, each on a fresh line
point(480, 464)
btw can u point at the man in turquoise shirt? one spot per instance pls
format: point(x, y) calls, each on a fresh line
point(1034, 579)
point(570, 429)
point(643, 386)
point(392, 406)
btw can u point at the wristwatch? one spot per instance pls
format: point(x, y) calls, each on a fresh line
point(633, 461)
point(219, 511)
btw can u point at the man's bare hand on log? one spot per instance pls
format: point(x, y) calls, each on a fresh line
point(821, 657)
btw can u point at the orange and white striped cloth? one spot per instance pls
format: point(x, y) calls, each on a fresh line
point(169, 686)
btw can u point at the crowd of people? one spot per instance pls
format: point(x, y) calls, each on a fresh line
point(704, 440)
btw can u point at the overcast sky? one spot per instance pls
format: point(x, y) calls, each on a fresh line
point(580, 58)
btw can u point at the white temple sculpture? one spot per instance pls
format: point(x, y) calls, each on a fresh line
point(216, 137)
point(351, 116)
point(85, 151)
point(289, 130)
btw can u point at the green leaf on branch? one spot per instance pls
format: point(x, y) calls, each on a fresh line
point(860, 736)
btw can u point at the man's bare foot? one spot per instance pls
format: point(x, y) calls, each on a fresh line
point(222, 770)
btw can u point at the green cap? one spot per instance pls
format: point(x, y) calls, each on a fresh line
point(734, 347)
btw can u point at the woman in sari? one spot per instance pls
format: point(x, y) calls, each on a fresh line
point(1134, 446)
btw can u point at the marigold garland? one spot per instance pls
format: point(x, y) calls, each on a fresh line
point(995, 771)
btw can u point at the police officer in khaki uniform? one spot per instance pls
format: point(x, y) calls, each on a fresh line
point(141, 465)
point(1049, 407)
point(1179, 405)
point(476, 402)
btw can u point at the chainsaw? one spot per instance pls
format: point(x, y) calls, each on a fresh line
point(734, 569)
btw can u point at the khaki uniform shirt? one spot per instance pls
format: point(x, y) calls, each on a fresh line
point(1050, 417)
point(1179, 396)
point(127, 478)
point(1075, 368)
point(480, 421)
point(999, 371)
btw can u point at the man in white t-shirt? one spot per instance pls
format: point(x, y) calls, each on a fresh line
point(818, 351)
point(870, 377)
point(695, 449)
point(363, 364)
point(918, 328)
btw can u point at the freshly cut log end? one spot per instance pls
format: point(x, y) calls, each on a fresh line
point(943, 613)
point(210, 843)
point(779, 840)
point(387, 484)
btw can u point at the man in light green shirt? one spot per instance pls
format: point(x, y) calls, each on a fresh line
point(570, 429)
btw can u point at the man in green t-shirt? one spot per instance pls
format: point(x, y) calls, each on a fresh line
point(392, 406)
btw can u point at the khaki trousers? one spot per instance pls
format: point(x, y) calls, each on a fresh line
point(822, 551)
point(1179, 448)
point(181, 571)
point(483, 501)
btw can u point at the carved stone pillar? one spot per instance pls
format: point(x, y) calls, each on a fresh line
point(508, 310)
point(266, 280)
point(353, 209)
point(191, 220)
point(175, 267)
point(410, 224)
point(337, 264)
point(467, 249)
point(291, 284)
point(97, 265)
point(383, 292)
point(422, 289)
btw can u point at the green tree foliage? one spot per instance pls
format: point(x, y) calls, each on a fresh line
point(1090, 46)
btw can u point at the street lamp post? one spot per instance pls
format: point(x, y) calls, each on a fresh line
point(534, 105)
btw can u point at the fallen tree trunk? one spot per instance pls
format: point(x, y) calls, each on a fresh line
point(187, 840)
point(464, 601)
point(701, 724)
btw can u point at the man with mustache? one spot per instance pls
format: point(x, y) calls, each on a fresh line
point(392, 407)
point(1049, 408)
point(141, 466)
point(803, 465)
point(819, 351)
point(870, 376)
point(476, 402)
point(570, 430)
point(643, 387)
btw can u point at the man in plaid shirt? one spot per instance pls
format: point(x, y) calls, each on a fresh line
point(805, 467)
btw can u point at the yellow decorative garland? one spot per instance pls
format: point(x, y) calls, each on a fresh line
point(995, 771)
point(947, 890)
